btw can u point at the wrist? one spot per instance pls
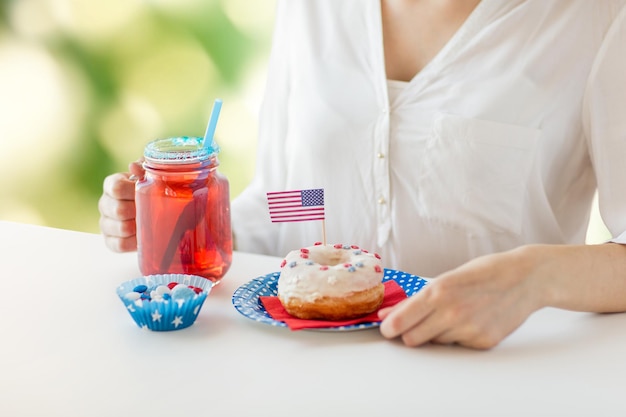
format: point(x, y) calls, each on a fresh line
point(574, 277)
point(537, 263)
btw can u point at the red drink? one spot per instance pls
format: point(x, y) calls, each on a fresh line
point(183, 211)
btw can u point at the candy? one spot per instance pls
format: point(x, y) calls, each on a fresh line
point(132, 296)
point(141, 288)
point(162, 289)
point(197, 290)
point(162, 293)
point(182, 292)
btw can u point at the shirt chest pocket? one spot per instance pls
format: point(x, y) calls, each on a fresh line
point(473, 174)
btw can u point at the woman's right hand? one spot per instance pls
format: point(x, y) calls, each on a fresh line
point(117, 209)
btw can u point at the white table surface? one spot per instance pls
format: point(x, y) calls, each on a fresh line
point(68, 348)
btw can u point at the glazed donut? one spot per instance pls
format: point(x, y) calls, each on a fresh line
point(331, 282)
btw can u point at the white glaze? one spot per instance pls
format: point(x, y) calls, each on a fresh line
point(349, 269)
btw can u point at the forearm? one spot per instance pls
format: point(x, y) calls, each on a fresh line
point(578, 277)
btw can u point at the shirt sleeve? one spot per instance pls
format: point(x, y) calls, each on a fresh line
point(252, 228)
point(604, 123)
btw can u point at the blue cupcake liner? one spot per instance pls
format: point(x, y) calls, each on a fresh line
point(166, 315)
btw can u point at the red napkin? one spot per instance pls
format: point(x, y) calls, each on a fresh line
point(393, 295)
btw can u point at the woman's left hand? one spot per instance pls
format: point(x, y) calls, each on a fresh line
point(476, 305)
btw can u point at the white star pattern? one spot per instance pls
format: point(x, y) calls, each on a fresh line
point(156, 316)
point(178, 320)
point(130, 308)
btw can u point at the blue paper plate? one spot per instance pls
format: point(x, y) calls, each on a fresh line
point(247, 302)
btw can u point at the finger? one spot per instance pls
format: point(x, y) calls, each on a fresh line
point(405, 315)
point(482, 341)
point(429, 317)
point(128, 244)
point(136, 168)
point(430, 329)
point(448, 325)
point(446, 338)
point(117, 228)
point(384, 312)
point(119, 186)
point(116, 209)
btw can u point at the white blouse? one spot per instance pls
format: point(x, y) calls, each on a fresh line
point(501, 140)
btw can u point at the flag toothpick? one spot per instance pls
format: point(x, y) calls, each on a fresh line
point(297, 206)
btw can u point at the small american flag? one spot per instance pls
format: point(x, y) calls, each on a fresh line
point(296, 206)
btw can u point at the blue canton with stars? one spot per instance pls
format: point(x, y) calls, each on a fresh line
point(312, 197)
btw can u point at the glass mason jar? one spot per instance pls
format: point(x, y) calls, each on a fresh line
point(183, 210)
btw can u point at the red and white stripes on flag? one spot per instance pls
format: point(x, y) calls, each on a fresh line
point(296, 205)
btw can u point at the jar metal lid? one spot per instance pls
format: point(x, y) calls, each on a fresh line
point(179, 150)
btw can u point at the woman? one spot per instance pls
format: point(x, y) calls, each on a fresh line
point(461, 140)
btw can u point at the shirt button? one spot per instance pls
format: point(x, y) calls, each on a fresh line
point(381, 200)
point(380, 155)
point(384, 110)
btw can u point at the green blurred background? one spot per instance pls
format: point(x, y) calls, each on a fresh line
point(85, 84)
